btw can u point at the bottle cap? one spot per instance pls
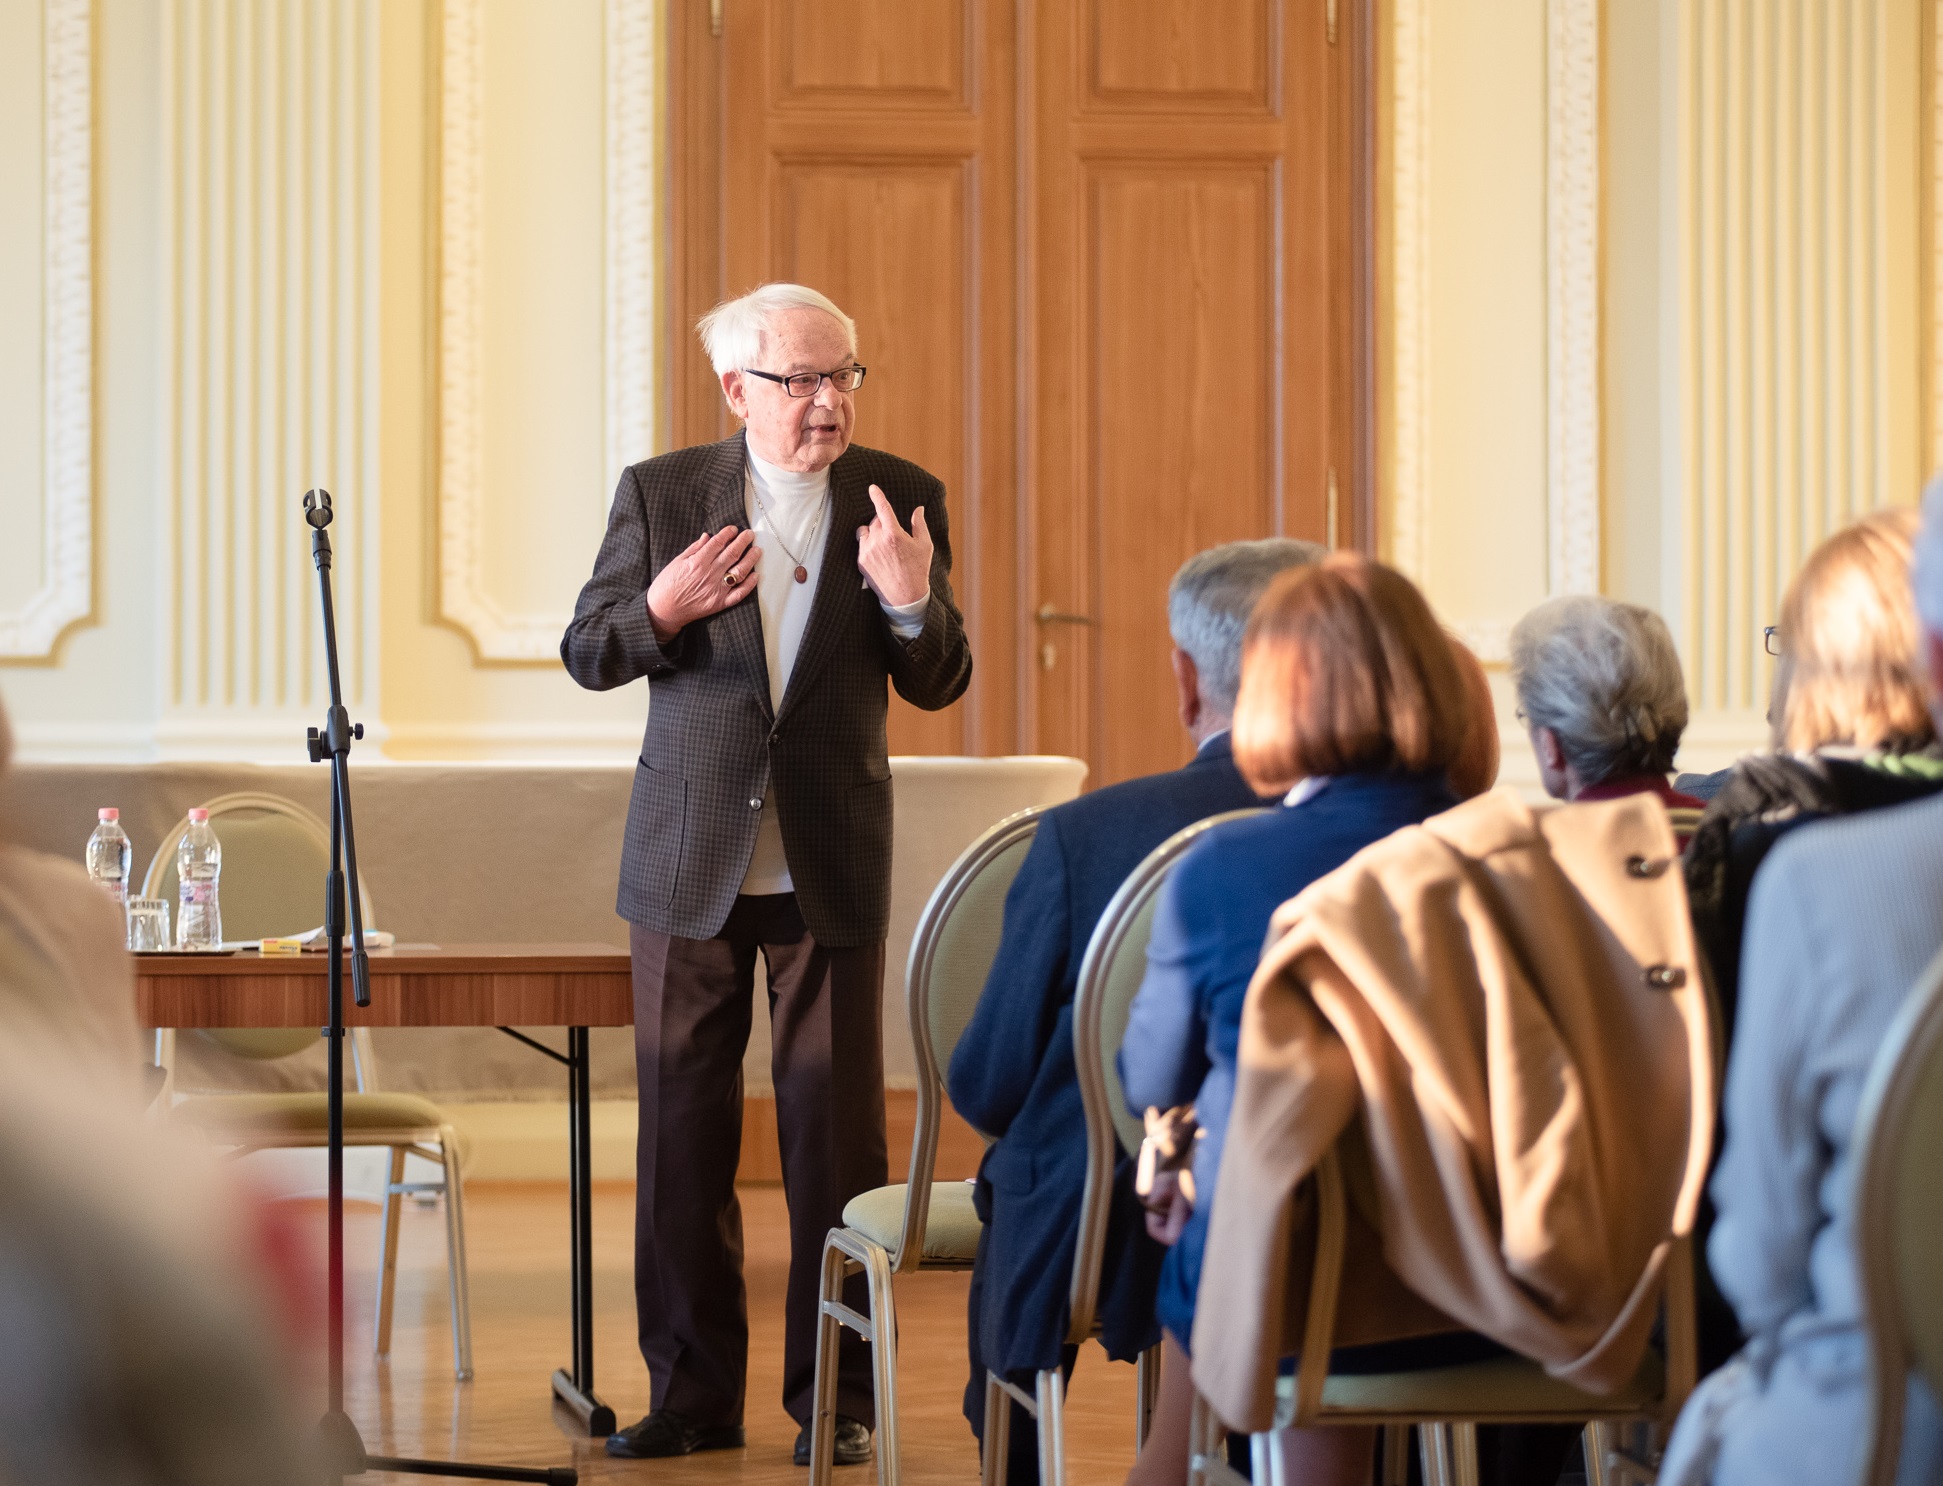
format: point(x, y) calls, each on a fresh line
point(108, 812)
point(198, 817)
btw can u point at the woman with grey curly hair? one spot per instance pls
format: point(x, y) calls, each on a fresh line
point(1599, 685)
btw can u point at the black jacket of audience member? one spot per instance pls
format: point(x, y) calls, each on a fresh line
point(1764, 798)
point(1012, 1074)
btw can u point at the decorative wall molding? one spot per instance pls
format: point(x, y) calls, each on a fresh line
point(541, 741)
point(465, 600)
point(1409, 544)
point(1934, 123)
point(1794, 270)
point(270, 367)
point(1489, 639)
point(632, 215)
point(1572, 294)
point(66, 594)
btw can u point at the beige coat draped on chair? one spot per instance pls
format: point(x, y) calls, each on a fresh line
point(1511, 1000)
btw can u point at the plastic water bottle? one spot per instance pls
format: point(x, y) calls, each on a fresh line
point(198, 866)
point(109, 857)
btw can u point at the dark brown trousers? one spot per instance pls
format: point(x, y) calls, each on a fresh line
point(693, 1000)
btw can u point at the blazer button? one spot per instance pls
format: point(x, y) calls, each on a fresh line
point(755, 804)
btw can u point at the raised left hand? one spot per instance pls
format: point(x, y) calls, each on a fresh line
point(896, 564)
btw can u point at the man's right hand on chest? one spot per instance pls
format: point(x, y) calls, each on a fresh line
point(709, 575)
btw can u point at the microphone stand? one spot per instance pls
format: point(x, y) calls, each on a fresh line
point(342, 1446)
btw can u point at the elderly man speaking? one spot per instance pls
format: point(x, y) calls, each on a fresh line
point(769, 587)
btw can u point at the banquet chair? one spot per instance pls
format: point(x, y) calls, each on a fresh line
point(1109, 975)
point(1898, 1205)
point(918, 1223)
point(1446, 1404)
point(275, 857)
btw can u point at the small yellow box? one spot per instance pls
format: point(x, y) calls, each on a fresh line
point(280, 946)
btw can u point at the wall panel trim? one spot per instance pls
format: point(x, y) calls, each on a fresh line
point(1572, 259)
point(66, 594)
point(1409, 544)
point(464, 600)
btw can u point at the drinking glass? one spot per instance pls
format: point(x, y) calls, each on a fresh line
point(148, 924)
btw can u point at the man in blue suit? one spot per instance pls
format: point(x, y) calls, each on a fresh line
point(1012, 1074)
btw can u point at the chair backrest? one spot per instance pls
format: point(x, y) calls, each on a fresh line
point(275, 856)
point(952, 951)
point(1109, 975)
point(1898, 1205)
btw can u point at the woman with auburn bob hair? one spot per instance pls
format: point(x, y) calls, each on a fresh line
point(1353, 707)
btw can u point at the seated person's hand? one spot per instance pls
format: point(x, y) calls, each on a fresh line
point(1169, 1204)
point(1164, 1180)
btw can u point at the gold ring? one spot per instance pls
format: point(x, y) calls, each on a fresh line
point(731, 578)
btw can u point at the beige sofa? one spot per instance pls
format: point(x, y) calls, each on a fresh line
point(475, 852)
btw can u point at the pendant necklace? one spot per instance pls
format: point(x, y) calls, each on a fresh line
point(802, 573)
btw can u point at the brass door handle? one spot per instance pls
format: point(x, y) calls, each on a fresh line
point(1049, 615)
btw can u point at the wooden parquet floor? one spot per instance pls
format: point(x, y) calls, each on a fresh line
point(409, 1405)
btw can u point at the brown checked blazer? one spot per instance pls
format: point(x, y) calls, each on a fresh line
point(712, 747)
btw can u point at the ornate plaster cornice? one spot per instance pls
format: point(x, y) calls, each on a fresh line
point(66, 593)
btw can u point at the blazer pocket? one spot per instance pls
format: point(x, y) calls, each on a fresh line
point(657, 833)
point(870, 809)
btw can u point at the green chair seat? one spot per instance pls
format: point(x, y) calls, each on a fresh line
point(304, 1113)
point(950, 1229)
point(1504, 1388)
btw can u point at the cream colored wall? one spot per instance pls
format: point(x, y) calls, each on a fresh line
point(1654, 311)
point(409, 249)
point(405, 249)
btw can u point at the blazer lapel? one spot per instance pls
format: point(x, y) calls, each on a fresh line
point(832, 609)
point(738, 628)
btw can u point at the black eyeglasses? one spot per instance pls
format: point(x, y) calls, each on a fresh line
point(1771, 638)
point(808, 384)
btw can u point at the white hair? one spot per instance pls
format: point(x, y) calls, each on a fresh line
point(734, 331)
point(1926, 563)
point(1211, 597)
point(1605, 678)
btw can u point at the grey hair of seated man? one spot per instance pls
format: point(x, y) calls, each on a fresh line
point(1926, 585)
point(1208, 604)
point(1604, 677)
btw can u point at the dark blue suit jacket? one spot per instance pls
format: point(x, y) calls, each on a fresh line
point(1209, 927)
point(1012, 1073)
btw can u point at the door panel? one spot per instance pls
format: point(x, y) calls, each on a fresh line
point(865, 150)
point(873, 53)
point(1111, 278)
point(1181, 337)
point(1170, 54)
point(1180, 385)
point(904, 281)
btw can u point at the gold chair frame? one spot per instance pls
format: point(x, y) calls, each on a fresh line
point(847, 1251)
point(1099, 1022)
point(437, 1143)
point(1897, 1191)
point(1442, 1402)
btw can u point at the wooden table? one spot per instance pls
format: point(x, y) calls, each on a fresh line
point(575, 986)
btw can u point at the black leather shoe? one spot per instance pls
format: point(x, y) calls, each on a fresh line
point(853, 1442)
point(665, 1432)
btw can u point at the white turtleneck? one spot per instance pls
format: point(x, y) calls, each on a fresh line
point(790, 514)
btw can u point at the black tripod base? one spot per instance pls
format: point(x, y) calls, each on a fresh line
point(594, 1416)
point(550, 1475)
point(342, 1450)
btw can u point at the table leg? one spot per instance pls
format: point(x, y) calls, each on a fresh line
point(575, 1387)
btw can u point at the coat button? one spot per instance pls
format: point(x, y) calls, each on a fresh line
point(755, 804)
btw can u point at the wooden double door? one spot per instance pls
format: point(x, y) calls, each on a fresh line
point(1109, 261)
